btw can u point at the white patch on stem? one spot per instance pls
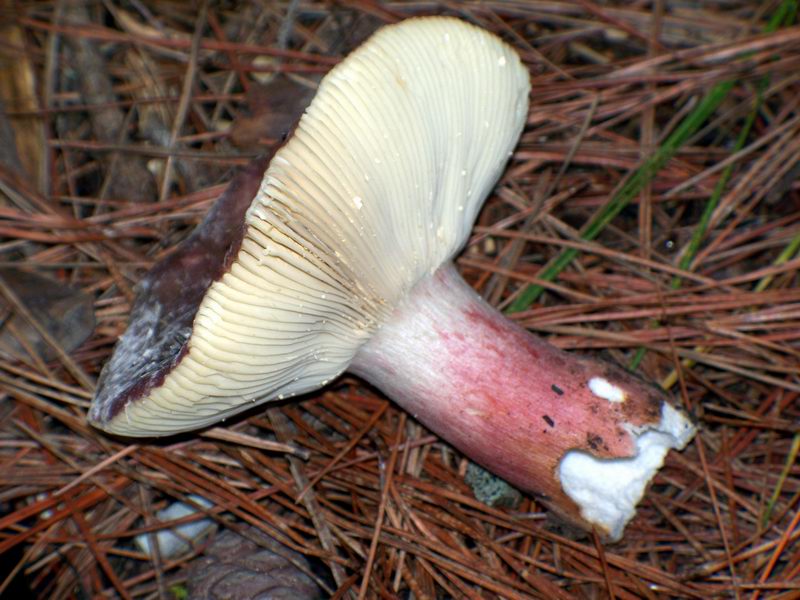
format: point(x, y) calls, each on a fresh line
point(602, 388)
point(608, 490)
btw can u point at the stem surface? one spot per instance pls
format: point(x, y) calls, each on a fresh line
point(519, 406)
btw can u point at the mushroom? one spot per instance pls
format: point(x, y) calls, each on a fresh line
point(340, 258)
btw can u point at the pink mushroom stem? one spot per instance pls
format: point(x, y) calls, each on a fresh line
point(514, 403)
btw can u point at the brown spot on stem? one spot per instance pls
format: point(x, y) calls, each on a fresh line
point(595, 441)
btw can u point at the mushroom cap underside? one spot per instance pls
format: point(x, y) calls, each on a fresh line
point(378, 186)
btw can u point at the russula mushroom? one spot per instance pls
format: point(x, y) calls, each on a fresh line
point(340, 258)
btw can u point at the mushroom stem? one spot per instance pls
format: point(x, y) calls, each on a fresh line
point(585, 436)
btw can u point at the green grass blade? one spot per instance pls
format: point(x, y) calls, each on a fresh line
point(636, 182)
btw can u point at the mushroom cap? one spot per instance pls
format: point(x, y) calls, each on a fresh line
point(378, 186)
